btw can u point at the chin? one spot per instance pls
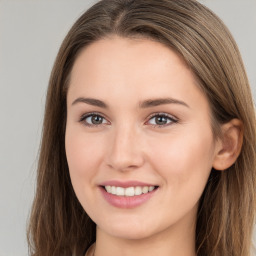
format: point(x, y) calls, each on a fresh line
point(129, 230)
point(129, 234)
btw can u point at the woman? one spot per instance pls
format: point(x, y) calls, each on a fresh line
point(148, 145)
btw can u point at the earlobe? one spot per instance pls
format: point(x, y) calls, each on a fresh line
point(229, 145)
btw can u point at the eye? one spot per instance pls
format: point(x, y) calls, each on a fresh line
point(161, 119)
point(93, 119)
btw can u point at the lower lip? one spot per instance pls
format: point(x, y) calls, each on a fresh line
point(127, 201)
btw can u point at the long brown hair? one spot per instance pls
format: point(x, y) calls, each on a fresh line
point(58, 223)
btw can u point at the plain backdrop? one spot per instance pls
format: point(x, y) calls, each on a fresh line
point(30, 34)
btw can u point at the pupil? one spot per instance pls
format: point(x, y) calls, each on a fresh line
point(161, 120)
point(96, 119)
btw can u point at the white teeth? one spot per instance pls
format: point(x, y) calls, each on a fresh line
point(108, 188)
point(119, 191)
point(151, 188)
point(145, 190)
point(138, 191)
point(130, 191)
point(113, 190)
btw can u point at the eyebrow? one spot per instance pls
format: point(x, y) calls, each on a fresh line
point(157, 102)
point(144, 104)
point(91, 101)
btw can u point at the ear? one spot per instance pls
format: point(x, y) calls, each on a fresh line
point(228, 147)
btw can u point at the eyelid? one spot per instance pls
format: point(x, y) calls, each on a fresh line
point(86, 115)
point(171, 117)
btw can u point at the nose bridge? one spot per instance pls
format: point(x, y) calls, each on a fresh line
point(125, 151)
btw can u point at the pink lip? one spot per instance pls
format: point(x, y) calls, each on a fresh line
point(125, 184)
point(126, 201)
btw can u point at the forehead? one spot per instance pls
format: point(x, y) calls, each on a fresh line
point(131, 69)
point(116, 52)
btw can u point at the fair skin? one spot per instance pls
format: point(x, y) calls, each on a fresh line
point(148, 122)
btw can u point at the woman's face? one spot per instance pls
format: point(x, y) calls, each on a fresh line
point(139, 127)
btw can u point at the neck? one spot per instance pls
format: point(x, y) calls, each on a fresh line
point(172, 241)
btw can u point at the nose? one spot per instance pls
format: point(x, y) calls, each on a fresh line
point(125, 150)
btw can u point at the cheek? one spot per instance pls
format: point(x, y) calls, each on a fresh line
point(184, 163)
point(185, 158)
point(83, 156)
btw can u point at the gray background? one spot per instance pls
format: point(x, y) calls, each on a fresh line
point(30, 34)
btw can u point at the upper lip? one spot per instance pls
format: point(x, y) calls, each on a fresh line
point(125, 184)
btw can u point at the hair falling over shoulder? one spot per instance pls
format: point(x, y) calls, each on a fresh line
point(58, 224)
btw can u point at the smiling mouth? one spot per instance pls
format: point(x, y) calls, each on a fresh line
point(129, 191)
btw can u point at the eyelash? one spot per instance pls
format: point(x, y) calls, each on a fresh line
point(87, 115)
point(171, 119)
